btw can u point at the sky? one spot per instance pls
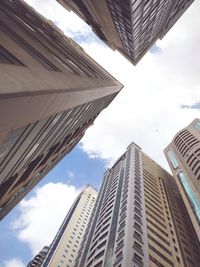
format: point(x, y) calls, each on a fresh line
point(161, 95)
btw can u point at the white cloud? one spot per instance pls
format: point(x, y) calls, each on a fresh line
point(14, 263)
point(41, 215)
point(70, 24)
point(148, 110)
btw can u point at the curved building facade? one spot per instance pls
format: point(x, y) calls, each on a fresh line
point(183, 155)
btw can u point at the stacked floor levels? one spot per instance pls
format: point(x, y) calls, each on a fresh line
point(129, 26)
point(139, 219)
point(51, 91)
point(183, 155)
point(65, 246)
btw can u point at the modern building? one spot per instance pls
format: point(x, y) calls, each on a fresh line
point(51, 91)
point(139, 219)
point(129, 26)
point(183, 155)
point(65, 246)
point(39, 258)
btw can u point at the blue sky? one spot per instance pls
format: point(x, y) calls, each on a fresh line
point(160, 96)
point(76, 169)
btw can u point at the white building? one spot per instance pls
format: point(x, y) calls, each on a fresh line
point(65, 246)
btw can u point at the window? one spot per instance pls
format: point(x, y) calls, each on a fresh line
point(119, 256)
point(137, 211)
point(119, 245)
point(98, 264)
point(155, 219)
point(99, 255)
point(7, 58)
point(159, 244)
point(10, 140)
point(138, 227)
point(197, 125)
point(173, 159)
point(194, 201)
point(155, 261)
point(160, 255)
point(138, 247)
point(137, 236)
point(158, 235)
point(137, 259)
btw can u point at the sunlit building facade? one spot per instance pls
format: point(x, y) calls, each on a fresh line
point(183, 155)
point(130, 26)
point(65, 246)
point(139, 219)
point(51, 91)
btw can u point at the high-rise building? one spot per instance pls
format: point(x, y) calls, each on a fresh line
point(139, 219)
point(183, 155)
point(129, 26)
point(39, 258)
point(51, 91)
point(65, 246)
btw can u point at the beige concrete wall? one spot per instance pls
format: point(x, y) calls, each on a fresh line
point(79, 222)
point(43, 73)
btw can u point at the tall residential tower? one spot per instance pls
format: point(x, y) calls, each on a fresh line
point(65, 246)
point(130, 26)
point(139, 219)
point(51, 91)
point(39, 258)
point(183, 155)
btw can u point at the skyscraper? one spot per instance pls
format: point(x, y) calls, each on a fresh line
point(39, 258)
point(130, 26)
point(183, 155)
point(51, 91)
point(139, 219)
point(65, 246)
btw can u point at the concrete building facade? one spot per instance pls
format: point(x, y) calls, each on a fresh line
point(39, 258)
point(129, 26)
point(139, 219)
point(51, 91)
point(183, 155)
point(65, 246)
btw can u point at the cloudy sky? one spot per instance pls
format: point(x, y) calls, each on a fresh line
point(161, 95)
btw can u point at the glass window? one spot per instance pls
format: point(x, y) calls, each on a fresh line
point(197, 125)
point(172, 158)
point(194, 201)
point(10, 140)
